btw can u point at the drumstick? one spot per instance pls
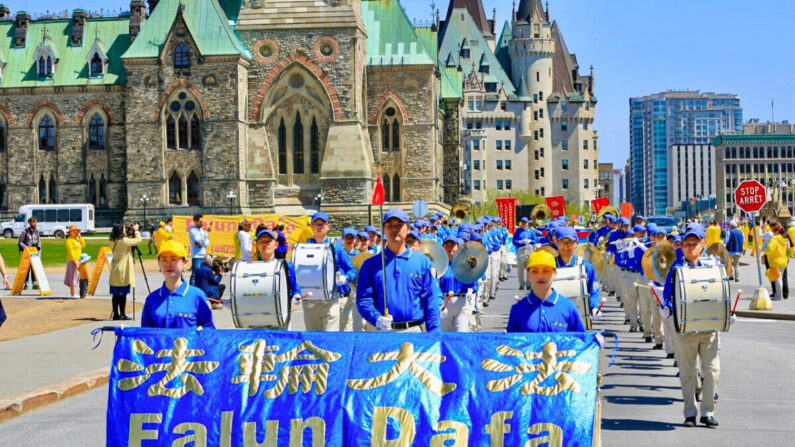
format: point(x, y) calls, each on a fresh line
point(656, 297)
point(736, 300)
point(300, 300)
point(601, 303)
point(447, 300)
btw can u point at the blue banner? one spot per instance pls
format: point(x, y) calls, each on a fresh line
point(274, 388)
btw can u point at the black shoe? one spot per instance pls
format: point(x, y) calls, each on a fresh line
point(25, 287)
point(124, 317)
point(611, 293)
point(115, 318)
point(669, 356)
point(486, 303)
point(647, 340)
point(698, 395)
point(658, 346)
point(626, 321)
point(709, 421)
point(621, 305)
point(492, 297)
point(35, 287)
point(521, 287)
point(716, 398)
point(676, 365)
point(690, 422)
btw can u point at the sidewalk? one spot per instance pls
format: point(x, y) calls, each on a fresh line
point(749, 282)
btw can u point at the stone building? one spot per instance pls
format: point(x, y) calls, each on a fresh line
point(271, 104)
point(606, 184)
point(527, 115)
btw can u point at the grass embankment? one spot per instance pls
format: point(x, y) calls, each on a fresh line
point(53, 251)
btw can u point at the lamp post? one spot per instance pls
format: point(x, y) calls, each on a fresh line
point(231, 198)
point(319, 200)
point(144, 201)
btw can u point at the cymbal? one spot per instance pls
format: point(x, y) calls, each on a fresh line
point(470, 262)
point(434, 251)
point(719, 251)
point(663, 258)
point(549, 249)
point(647, 263)
point(359, 259)
point(590, 253)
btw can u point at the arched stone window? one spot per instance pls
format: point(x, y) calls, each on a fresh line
point(396, 188)
point(298, 145)
point(45, 66)
point(194, 190)
point(181, 56)
point(2, 136)
point(174, 189)
point(92, 190)
point(97, 67)
point(53, 189)
point(183, 123)
point(103, 192)
point(390, 130)
point(46, 134)
point(3, 195)
point(42, 190)
point(387, 188)
point(314, 148)
point(282, 147)
point(96, 132)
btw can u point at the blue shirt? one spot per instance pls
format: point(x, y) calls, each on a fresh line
point(206, 280)
point(554, 314)
point(592, 284)
point(197, 235)
point(342, 263)
point(412, 292)
point(282, 248)
point(521, 234)
point(185, 307)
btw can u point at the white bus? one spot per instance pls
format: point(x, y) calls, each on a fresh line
point(53, 220)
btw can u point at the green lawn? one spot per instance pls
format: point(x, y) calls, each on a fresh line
point(54, 251)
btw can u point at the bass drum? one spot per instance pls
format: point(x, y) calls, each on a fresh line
point(260, 295)
point(701, 299)
point(572, 283)
point(314, 270)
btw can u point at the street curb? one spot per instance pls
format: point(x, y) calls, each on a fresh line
point(18, 405)
point(765, 315)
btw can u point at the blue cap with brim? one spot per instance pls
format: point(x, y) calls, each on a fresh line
point(652, 229)
point(695, 230)
point(370, 229)
point(639, 229)
point(415, 234)
point(363, 235)
point(567, 233)
point(396, 213)
point(451, 239)
point(640, 217)
point(268, 232)
point(349, 232)
point(624, 221)
point(320, 215)
point(475, 237)
point(525, 220)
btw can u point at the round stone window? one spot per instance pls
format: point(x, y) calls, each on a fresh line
point(182, 96)
point(326, 49)
point(190, 106)
point(390, 111)
point(296, 80)
point(266, 50)
point(175, 106)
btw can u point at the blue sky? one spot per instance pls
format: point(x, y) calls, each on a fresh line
point(638, 47)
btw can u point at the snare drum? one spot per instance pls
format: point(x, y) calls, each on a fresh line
point(572, 283)
point(260, 295)
point(701, 299)
point(314, 270)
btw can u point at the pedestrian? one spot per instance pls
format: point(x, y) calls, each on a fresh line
point(176, 304)
point(244, 240)
point(6, 285)
point(776, 255)
point(161, 234)
point(199, 240)
point(208, 280)
point(74, 247)
point(30, 239)
point(82, 270)
point(713, 233)
point(734, 245)
point(151, 242)
point(122, 272)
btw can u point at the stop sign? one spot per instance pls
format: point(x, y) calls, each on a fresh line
point(750, 196)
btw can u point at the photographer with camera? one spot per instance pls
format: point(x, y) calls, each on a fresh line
point(208, 280)
point(122, 274)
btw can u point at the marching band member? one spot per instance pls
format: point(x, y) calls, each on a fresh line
point(411, 290)
point(523, 239)
point(567, 242)
point(602, 231)
point(348, 312)
point(267, 244)
point(176, 304)
point(652, 324)
point(457, 310)
point(543, 309)
point(325, 315)
point(634, 253)
point(374, 247)
point(691, 346)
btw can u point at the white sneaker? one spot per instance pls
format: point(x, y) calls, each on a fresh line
point(76, 296)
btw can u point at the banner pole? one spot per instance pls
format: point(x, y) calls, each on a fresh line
point(383, 260)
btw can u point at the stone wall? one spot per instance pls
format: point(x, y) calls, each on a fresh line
point(451, 144)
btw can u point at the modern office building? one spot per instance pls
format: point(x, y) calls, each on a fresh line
point(691, 173)
point(764, 152)
point(661, 121)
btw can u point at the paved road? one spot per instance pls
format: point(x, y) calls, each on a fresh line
point(641, 395)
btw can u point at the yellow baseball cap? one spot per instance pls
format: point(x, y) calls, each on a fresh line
point(541, 258)
point(173, 247)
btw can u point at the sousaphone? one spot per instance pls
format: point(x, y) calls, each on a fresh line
point(541, 215)
point(590, 253)
point(462, 211)
point(663, 258)
point(359, 259)
point(719, 251)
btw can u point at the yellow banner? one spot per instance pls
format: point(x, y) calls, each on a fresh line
point(224, 228)
point(104, 257)
point(22, 273)
point(31, 259)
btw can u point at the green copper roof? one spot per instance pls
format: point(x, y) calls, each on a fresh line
point(391, 39)
point(501, 51)
point(451, 84)
point(207, 22)
point(72, 61)
point(231, 8)
point(786, 138)
point(429, 39)
point(461, 31)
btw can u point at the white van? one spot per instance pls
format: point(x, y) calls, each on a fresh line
point(53, 220)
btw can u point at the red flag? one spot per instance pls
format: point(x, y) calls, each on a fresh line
point(597, 204)
point(626, 210)
point(378, 193)
point(558, 206)
point(506, 208)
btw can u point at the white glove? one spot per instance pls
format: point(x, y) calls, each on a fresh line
point(384, 323)
point(296, 301)
point(601, 340)
point(342, 280)
point(733, 319)
point(444, 314)
point(596, 314)
point(665, 312)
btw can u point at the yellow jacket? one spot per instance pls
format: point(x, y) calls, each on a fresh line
point(776, 251)
point(713, 235)
point(744, 228)
point(161, 235)
point(74, 247)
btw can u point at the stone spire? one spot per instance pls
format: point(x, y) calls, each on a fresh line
point(476, 11)
point(531, 11)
